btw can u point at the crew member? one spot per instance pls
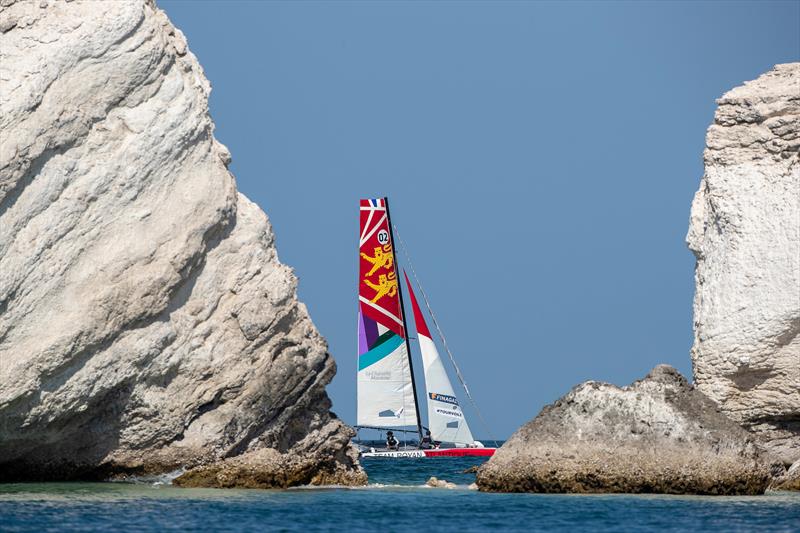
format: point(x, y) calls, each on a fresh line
point(391, 442)
point(427, 440)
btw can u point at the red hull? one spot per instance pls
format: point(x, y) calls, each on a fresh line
point(460, 452)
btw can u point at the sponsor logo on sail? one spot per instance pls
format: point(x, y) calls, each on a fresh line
point(454, 414)
point(388, 413)
point(443, 398)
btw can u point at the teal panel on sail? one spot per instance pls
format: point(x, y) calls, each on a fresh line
point(379, 352)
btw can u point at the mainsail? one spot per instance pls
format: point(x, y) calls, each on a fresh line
point(445, 416)
point(386, 396)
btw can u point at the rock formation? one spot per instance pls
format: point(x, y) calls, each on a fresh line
point(146, 323)
point(437, 483)
point(658, 435)
point(745, 233)
point(789, 480)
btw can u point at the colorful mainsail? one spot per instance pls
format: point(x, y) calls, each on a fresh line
point(385, 386)
point(445, 416)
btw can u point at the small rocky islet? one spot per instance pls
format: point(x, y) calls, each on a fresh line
point(147, 325)
point(657, 435)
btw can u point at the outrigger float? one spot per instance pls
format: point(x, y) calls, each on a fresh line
point(387, 392)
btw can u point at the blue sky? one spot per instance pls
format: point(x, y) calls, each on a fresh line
point(540, 159)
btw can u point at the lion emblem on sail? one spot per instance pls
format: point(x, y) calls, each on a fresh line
point(387, 284)
point(383, 258)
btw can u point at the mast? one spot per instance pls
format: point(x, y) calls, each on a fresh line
point(405, 323)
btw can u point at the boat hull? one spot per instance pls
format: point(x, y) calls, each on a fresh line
point(442, 452)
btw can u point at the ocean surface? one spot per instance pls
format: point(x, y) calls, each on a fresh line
point(395, 500)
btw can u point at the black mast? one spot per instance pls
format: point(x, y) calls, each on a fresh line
point(403, 316)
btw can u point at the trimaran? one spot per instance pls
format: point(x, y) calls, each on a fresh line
point(387, 392)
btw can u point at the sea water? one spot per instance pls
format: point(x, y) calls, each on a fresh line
point(395, 500)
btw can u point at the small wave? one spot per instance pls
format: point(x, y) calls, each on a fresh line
point(422, 486)
point(154, 480)
point(374, 486)
point(354, 487)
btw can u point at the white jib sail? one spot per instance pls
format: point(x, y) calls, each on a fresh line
point(385, 392)
point(445, 416)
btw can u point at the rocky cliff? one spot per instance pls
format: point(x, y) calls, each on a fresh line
point(745, 233)
point(146, 323)
point(657, 435)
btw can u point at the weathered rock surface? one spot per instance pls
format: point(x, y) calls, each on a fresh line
point(267, 468)
point(657, 435)
point(745, 233)
point(146, 323)
point(790, 480)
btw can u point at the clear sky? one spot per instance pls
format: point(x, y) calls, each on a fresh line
point(540, 159)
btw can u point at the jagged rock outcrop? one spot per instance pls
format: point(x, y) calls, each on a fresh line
point(146, 323)
point(745, 233)
point(789, 480)
point(266, 467)
point(657, 435)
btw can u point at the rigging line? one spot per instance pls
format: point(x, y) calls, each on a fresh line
point(441, 336)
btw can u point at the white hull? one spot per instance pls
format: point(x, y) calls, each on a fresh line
point(395, 453)
point(434, 452)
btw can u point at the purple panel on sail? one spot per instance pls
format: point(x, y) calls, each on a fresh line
point(363, 345)
point(372, 330)
point(367, 333)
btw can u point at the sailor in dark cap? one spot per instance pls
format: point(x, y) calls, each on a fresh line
point(391, 442)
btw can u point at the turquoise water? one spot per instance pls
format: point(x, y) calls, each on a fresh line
point(395, 501)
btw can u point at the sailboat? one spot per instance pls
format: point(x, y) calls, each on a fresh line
point(387, 393)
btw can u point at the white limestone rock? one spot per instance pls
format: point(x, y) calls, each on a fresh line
point(745, 233)
point(146, 323)
point(657, 435)
point(437, 483)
